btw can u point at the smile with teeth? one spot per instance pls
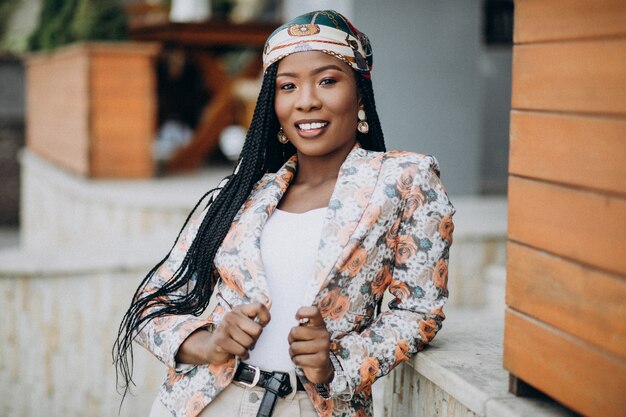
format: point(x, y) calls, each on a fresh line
point(311, 126)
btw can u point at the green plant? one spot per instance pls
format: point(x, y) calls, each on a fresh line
point(99, 20)
point(65, 21)
point(7, 7)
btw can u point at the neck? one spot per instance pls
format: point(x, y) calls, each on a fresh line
point(315, 170)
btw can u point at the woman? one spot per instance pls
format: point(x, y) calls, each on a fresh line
point(298, 247)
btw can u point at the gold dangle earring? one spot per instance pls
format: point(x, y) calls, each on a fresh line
point(362, 125)
point(282, 137)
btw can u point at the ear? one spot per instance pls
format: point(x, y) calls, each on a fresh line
point(359, 94)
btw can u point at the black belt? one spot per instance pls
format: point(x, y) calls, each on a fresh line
point(276, 384)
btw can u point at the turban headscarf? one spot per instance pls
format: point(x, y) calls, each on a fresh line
point(326, 31)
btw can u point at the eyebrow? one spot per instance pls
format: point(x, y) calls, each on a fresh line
point(313, 72)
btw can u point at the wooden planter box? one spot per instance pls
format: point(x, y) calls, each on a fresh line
point(92, 108)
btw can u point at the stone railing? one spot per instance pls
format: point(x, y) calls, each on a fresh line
point(63, 209)
point(60, 312)
point(460, 374)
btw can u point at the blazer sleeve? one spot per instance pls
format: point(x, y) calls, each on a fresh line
point(418, 285)
point(162, 336)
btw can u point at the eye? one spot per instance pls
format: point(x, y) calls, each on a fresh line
point(287, 86)
point(328, 81)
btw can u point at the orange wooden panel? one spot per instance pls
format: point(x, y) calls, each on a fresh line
point(549, 20)
point(587, 77)
point(581, 301)
point(584, 151)
point(579, 225)
point(584, 378)
point(58, 110)
point(124, 114)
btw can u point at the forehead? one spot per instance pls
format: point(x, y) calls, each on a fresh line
point(310, 60)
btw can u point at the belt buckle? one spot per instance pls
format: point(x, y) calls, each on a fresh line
point(255, 380)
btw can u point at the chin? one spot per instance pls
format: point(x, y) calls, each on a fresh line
point(315, 149)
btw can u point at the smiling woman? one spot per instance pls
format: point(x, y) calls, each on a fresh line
point(298, 246)
point(317, 103)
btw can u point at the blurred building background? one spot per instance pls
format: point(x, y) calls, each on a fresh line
point(105, 147)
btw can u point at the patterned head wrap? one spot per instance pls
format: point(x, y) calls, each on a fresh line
point(326, 31)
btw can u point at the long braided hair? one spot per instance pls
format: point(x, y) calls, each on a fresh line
point(191, 286)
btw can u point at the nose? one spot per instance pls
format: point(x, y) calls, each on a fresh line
point(308, 99)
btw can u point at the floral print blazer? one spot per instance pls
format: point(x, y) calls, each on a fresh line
point(388, 227)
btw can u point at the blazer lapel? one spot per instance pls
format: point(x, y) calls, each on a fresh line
point(348, 216)
point(238, 259)
point(347, 221)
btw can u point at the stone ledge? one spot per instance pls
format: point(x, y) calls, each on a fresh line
point(175, 191)
point(109, 257)
point(465, 360)
point(63, 209)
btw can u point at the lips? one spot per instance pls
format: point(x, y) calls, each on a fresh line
point(310, 128)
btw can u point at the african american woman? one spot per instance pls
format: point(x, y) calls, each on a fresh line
point(297, 248)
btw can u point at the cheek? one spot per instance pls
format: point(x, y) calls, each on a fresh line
point(282, 109)
point(345, 104)
point(347, 110)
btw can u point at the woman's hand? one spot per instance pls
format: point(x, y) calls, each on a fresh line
point(237, 333)
point(309, 346)
point(234, 336)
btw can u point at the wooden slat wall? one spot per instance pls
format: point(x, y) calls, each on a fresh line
point(574, 76)
point(563, 361)
point(558, 20)
point(565, 328)
point(594, 147)
point(586, 227)
point(580, 300)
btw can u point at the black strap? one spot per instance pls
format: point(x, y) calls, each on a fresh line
point(276, 384)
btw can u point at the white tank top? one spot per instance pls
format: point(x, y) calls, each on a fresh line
point(289, 243)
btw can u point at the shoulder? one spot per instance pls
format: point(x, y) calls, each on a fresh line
point(420, 160)
point(395, 160)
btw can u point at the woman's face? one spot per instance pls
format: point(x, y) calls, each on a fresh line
point(316, 103)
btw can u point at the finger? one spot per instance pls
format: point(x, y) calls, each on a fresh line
point(237, 318)
point(230, 346)
point(309, 361)
point(306, 333)
point(256, 311)
point(298, 333)
point(311, 313)
point(241, 337)
point(248, 326)
point(309, 348)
